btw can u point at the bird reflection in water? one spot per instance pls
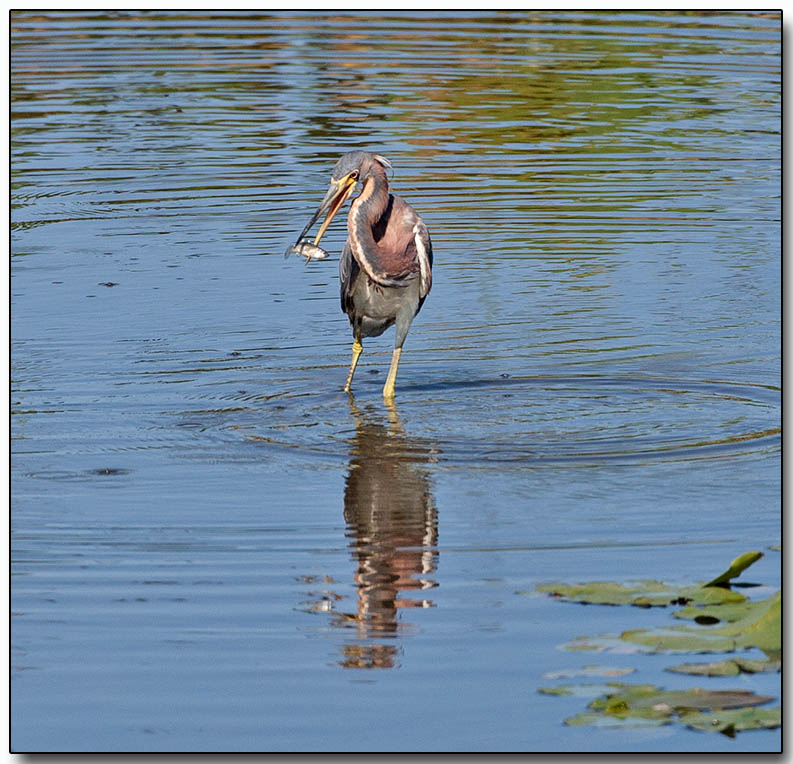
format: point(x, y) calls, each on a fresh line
point(393, 526)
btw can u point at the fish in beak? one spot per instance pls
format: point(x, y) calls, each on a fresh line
point(338, 193)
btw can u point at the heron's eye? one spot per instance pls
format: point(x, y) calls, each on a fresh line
point(354, 174)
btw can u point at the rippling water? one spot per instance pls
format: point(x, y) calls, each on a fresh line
point(216, 549)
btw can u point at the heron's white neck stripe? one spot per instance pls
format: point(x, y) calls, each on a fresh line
point(424, 263)
point(361, 238)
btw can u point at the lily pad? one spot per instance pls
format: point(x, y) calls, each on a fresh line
point(761, 627)
point(728, 612)
point(641, 704)
point(731, 667)
point(594, 719)
point(640, 593)
point(601, 671)
point(725, 621)
point(578, 690)
point(603, 643)
point(650, 593)
point(736, 720)
point(651, 702)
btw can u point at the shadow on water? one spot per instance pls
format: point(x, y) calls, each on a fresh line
point(392, 524)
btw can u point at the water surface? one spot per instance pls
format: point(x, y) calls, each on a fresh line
point(213, 547)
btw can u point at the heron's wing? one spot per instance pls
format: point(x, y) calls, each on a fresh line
point(348, 272)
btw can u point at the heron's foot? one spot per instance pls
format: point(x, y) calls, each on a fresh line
point(357, 349)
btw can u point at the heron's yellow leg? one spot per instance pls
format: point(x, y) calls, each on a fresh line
point(388, 390)
point(357, 348)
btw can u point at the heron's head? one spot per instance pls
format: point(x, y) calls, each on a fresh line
point(354, 167)
point(358, 165)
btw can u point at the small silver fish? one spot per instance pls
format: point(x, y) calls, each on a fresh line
point(306, 249)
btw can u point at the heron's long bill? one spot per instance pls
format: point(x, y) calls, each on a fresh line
point(338, 193)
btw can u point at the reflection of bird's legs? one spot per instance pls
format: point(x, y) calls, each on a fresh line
point(395, 427)
point(388, 390)
point(357, 348)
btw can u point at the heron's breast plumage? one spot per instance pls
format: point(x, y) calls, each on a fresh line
point(386, 267)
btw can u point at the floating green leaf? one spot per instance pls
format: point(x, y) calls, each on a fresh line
point(554, 691)
point(718, 668)
point(733, 622)
point(640, 594)
point(650, 593)
point(761, 627)
point(594, 719)
point(731, 667)
point(651, 702)
point(728, 612)
point(603, 671)
point(737, 720)
point(680, 640)
point(603, 643)
point(610, 592)
point(633, 705)
point(579, 690)
point(737, 566)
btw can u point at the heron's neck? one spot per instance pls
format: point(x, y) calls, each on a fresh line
point(367, 211)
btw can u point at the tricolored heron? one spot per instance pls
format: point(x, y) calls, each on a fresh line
point(385, 271)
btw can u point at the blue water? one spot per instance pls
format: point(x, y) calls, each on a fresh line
point(213, 547)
